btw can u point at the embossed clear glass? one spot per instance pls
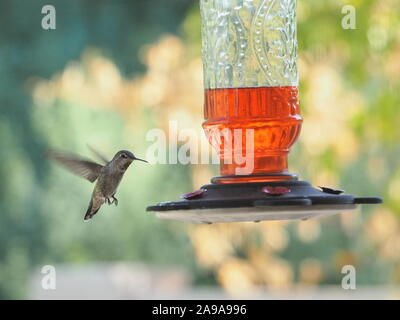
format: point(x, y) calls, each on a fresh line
point(249, 43)
point(251, 83)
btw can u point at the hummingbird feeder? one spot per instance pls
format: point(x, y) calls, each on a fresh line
point(252, 118)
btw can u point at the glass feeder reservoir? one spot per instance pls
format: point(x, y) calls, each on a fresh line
point(252, 118)
point(251, 86)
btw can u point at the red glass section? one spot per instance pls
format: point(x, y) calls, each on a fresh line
point(272, 115)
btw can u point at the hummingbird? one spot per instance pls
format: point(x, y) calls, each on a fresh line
point(108, 176)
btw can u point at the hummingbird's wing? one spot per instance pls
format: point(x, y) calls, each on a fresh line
point(98, 154)
point(84, 168)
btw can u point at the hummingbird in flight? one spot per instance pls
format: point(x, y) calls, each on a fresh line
point(108, 176)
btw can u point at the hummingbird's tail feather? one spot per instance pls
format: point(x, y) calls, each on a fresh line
point(91, 211)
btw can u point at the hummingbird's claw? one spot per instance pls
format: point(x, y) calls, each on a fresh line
point(115, 201)
point(112, 200)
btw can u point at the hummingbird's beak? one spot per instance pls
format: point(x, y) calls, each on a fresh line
point(140, 160)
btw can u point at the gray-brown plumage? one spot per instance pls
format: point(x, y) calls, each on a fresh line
point(108, 176)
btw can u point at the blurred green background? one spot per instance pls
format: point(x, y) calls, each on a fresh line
point(112, 70)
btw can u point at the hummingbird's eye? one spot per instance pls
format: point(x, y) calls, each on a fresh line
point(123, 155)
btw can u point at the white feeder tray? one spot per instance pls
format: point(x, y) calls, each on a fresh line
point(254, 214)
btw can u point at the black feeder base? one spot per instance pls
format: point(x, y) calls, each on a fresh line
point(236, 202)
